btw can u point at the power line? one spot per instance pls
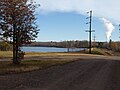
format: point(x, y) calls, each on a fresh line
point(90, 29)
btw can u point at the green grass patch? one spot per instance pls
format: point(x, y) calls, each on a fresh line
point(26, 66)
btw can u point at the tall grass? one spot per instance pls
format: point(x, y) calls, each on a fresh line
point(6, 54)
point(25, 66)
point(99, 51)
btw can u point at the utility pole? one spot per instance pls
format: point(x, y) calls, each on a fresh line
point(90, 29)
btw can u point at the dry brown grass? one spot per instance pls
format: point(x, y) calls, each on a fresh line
point(31, 54)
point(6, 54)
point(29, 65)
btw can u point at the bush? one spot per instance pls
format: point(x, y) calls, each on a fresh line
point(4, 46)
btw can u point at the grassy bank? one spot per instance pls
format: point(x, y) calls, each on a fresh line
point(100, 51)
point(34, 54)
point(26, 66)
point(5, 54)
point(7, 67)
point(44, 60)
point(96, 51)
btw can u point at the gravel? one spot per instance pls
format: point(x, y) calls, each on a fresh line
point(78, 75)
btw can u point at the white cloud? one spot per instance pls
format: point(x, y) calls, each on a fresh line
point(101, 8)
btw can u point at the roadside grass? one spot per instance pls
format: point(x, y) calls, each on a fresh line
point(6, 67)
point(5, 54)
point(98, 51)
point(30, 54)
point(29, 65)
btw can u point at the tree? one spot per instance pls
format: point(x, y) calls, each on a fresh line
point(17, 22)
point(5, 46)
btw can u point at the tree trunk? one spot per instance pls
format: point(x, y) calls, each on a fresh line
point(15, 46)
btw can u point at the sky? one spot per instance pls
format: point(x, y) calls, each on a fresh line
point(61, 20)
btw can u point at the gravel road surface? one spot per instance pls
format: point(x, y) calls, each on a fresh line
point(77, 75)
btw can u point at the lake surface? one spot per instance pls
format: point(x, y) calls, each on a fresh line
point(48, 49)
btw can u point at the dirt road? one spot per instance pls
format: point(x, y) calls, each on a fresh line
point(78, 75)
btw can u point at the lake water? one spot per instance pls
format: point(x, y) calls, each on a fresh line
point(48, 49)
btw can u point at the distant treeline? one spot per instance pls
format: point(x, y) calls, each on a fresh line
point(112, 45)
point(62, 44)
point(78, 44)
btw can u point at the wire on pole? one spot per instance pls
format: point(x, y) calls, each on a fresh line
point(90, 29)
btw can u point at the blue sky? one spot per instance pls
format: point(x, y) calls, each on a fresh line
point(61, 20)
